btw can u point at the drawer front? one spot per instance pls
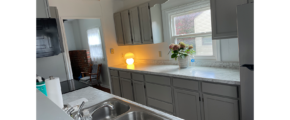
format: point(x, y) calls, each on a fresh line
point(187, 84)
point(136, 76)
point(114, 72)
point(224, 90)
point(124, 74)
point(160, 105)
point(157, 79)
point(159, 92)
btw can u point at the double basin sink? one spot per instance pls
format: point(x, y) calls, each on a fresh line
point(122, 111)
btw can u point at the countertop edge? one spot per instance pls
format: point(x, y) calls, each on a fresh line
point(229, 82)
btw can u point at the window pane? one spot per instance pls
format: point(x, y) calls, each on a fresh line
point(193, 23)
point(202, 45)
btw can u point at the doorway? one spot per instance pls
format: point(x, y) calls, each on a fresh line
point(86, 48)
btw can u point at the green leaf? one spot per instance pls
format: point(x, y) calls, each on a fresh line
point(173, 55)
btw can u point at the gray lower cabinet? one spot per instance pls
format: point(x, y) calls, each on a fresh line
point(116, 86)
point(127, 89)
point(139, 92)
point(219, 108)
point(187, 104)
point(159, 92)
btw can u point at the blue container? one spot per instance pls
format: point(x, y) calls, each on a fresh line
point(41, 87)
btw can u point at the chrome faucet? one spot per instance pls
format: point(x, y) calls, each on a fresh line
point(79, 116)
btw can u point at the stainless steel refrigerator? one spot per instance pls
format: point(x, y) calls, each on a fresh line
point(245, 21)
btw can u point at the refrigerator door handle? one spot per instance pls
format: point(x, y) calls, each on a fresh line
point(249, 66)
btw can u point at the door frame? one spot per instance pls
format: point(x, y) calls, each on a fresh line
point(65, 46)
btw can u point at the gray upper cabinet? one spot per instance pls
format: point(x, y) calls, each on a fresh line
point(187, 104)
point(127, 89)
point(116, 86)
point(145, 21)
point(126, 27)
point(224, 18)
point(219, 108)
point(135, 25)
point(119, 29)
point(42, 9)
point(139, 92)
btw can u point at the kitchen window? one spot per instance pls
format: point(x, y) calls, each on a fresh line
point(191, 24)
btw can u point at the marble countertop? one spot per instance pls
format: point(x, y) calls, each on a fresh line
point(96, 96)
point(211, 74)
point(47, 110)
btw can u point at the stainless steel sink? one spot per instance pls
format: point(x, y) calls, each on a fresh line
point(121, 111)
point(105, 113)
point(137, 115)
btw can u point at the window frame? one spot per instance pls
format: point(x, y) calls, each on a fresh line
point(197, 6)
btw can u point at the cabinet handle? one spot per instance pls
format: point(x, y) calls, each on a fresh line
point(144, 86)
point(199, 99)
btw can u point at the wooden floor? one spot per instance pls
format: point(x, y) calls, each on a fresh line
point(102, 88)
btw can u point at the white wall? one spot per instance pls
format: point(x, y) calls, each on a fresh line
point(51, 66)
point(77, 34)
point(70, 36)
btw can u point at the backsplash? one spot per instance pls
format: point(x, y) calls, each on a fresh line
point(219, 64)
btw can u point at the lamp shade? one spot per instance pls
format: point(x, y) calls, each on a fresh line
point(129, 55)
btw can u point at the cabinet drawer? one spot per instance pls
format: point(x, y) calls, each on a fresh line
point(136, 76)
point(157, 79)
point(187, 84)
point(224, 90)
point(114, 72)
point(159, 92)
point(160, 105)
point(124, 74)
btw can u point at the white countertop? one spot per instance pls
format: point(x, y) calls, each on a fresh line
point(47, 110)
point(96, 96)
point(212, 74)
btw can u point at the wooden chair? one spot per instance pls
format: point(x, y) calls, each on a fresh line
point(92, 74)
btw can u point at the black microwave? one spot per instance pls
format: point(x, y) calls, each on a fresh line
point(48, 42)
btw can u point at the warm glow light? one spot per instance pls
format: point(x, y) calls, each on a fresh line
point(131, 66)
point(129, 55)
point(130, 61)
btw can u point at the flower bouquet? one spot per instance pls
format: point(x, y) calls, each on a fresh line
point(181, 51)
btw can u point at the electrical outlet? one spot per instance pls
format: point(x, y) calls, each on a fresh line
point(160, 55)
point(112, 51)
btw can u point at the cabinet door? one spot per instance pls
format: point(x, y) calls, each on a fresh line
point(42, 10)
point(127, 89)
point(135, 25)
point(126, 27)
point(219, 108)
point(145, 21)
point(139, 92)
point(224, 17)
point(159, 92)
point(187, 104)
point(119, 28)
point(116, 86)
